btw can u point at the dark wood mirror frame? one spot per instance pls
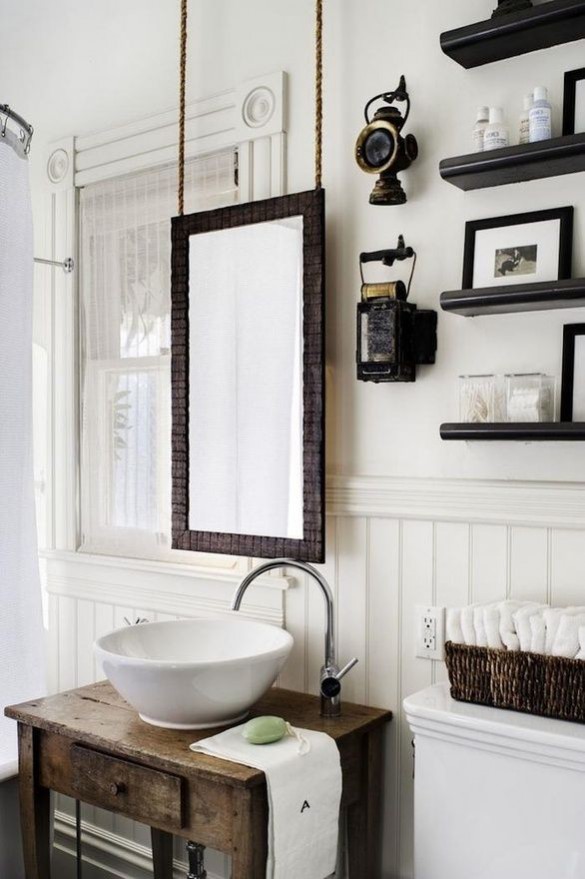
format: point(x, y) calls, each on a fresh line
point(311, 206)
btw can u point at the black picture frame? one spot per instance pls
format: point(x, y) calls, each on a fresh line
point(572, 77)
point(570, 333)
point(565, 217)
point(311, 548)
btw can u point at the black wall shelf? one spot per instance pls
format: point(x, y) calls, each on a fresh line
point(519, 432)
point(549, 24)
point(515, 164)
point(515, 298)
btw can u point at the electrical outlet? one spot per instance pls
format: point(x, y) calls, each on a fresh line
point(430, 632)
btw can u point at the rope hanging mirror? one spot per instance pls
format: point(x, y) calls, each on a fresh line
point(248, 394)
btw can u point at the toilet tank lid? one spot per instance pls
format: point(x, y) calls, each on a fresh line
point(433, 713)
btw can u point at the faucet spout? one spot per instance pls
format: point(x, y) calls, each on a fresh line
point(330, 673)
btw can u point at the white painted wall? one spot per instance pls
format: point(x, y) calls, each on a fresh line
point(72, 66)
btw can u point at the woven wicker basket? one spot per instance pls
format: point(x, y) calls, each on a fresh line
point(546, 685)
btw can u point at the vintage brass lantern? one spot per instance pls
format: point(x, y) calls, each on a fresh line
point(381, 149)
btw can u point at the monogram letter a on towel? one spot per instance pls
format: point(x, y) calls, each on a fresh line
point(304, 795)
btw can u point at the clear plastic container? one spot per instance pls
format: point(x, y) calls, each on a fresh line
point(530, 397)
point(481, 399)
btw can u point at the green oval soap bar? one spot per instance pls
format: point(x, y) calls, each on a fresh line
point(264, 730)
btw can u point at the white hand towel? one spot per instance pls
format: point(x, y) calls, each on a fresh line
point(304, 794)
point(581, 653)
point(454, 631)
point(552, 619)
point(521, 619)
point(508, 633)
point(468, 626)
point(478, 625)
point(538, 630)
point(566, 641)
point(491, 621)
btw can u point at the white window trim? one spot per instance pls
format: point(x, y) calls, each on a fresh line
point(250, 117)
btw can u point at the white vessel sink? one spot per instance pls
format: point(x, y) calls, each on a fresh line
point(194, 674)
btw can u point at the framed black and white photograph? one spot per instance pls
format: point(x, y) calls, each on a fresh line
point(573, 385)
point(520, 249)
point(574, 102)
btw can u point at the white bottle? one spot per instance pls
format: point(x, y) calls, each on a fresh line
point(479, 129)
point(540, 116)
point(496, 134)
point(524, 122)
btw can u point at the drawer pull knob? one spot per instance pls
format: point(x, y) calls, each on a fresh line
point(117, 788)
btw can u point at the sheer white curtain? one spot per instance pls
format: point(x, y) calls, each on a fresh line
point(125, 294)
point(22, 670)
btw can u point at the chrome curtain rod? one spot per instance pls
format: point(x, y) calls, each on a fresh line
point(25, 136)
point(67, 264)
point(25, 130)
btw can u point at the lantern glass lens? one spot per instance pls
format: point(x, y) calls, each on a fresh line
point(378, 148)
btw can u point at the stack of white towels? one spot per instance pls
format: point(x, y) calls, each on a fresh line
point(520, 625)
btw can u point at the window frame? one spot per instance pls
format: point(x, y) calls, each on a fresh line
point(226, 120)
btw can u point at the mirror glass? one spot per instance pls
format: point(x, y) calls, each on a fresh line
point(245, 379)
point(248, 379)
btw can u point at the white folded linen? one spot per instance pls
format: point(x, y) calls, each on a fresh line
point(491, 622)
point(552, 619)
point(581, 653)
point(478, 625)
point(521, 618)
point(304, 795)
point(454, 631)
point(566, 641)
point(468, 625)
point(538, 631)
point(508, 633)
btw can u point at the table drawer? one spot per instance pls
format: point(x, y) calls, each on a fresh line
point(147, 795)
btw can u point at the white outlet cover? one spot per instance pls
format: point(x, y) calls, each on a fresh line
point(430, 632)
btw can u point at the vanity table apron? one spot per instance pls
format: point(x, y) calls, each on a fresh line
point(22, 673)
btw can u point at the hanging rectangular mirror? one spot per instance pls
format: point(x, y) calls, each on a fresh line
point(248, 379)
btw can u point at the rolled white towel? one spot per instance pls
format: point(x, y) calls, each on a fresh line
point(521, 619)
point(454, 631)
point(552, 618)
point(467, 625)
point(479, 626)
point(538, 629)
point(508, 634)
point(581, 653)
point(491, 621)
point(566, 641)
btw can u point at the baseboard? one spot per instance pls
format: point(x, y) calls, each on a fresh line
point(106, 855)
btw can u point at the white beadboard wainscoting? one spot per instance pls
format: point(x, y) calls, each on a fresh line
point(392, 545)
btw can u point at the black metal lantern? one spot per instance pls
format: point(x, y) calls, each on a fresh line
point(393, 335)
point(381, 149)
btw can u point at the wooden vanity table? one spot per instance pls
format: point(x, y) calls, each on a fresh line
point(89, 744)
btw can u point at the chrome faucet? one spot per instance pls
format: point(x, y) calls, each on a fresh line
point(331, 674)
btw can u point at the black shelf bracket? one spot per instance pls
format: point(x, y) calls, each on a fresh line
point(516, 431)
point(518, 33)
point(516, 164)
point(515, 298)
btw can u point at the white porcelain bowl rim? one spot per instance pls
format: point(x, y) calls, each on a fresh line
point(285, 646)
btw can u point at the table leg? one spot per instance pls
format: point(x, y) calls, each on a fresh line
point(35, 807)
point(162, 853)
point(250, 833)
point(364, 829)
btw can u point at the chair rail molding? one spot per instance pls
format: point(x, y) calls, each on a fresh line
point(545, 504)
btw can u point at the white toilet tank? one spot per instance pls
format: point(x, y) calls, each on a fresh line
point(498, 795)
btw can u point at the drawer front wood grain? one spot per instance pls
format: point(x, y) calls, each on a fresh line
point(147, 795)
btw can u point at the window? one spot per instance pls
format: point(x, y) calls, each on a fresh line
point(125, 350)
